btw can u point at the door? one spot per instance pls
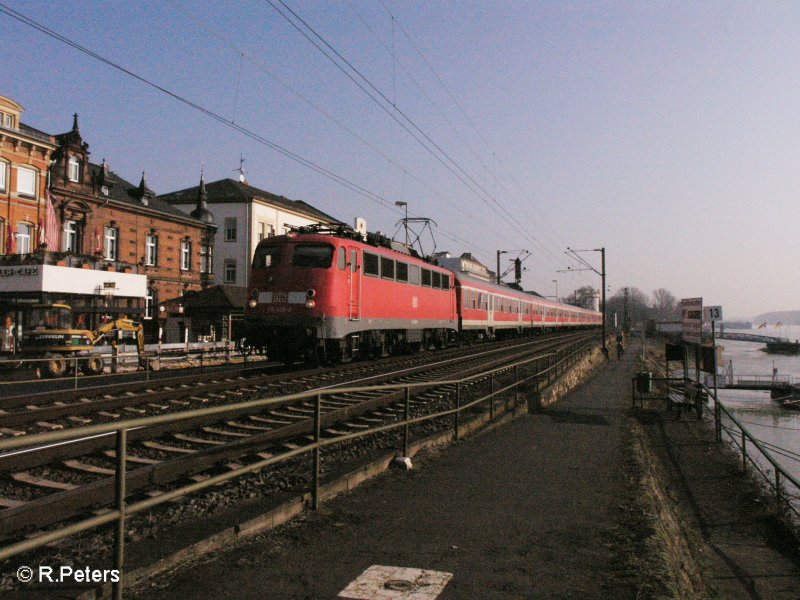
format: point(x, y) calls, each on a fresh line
point(354, 285)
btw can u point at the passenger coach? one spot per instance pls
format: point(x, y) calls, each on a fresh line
point(490, 310)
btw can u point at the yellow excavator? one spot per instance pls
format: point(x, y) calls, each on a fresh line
point(48, 333)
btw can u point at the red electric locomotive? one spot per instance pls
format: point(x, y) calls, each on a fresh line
point(320, 293)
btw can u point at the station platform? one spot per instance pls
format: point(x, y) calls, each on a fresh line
point(529, 509)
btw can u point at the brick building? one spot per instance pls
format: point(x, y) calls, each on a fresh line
point(127, 225)
point(97, 242)
point(25, 155)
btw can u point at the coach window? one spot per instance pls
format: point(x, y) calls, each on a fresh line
point(426, 277)
point(371, 264)
point(342, 260)
point(437, 280)
point(402, 271)
point(266, 257)
point(316, 256)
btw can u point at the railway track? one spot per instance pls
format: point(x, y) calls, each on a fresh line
point(50, 484)
point(63, 409)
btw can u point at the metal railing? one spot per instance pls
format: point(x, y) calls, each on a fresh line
point(775, 477)
point(547, 367)
point(123, 362)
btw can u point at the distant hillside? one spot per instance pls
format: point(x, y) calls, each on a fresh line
point(787, 317)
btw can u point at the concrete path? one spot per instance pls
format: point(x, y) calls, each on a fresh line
point(533, 509)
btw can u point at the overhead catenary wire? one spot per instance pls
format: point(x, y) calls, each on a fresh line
point(355, 75)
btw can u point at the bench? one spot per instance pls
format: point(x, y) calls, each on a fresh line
point(692, 397)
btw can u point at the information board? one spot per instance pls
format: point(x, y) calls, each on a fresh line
point(692, 319)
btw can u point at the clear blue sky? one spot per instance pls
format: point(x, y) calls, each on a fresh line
point(667, 132)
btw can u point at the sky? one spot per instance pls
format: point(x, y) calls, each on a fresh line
point(665, 132)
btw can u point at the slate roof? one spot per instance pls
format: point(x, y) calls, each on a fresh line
point(217, 297)
point(232, 191)
point(127, 193)
point(31, 132)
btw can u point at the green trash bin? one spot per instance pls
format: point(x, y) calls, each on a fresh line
point(644, 382)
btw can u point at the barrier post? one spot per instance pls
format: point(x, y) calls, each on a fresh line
point(317, 451)
point(201, 361)
point(491, 397)
point(457, 420)
point(119, 538)
point(75, 370)
point(407, 428)
point(778, 510)
point(744, 453)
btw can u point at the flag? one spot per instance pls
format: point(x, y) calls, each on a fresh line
point(10, 239)
point(41, 232)
point(51, 224)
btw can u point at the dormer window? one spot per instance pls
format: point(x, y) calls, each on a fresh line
point(7, 120)
point(104, 190)
point(145, 200)
point(74, 169)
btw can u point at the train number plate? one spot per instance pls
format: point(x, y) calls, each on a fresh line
point(280, 296)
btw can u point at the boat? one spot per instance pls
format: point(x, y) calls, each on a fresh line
point(783, 346)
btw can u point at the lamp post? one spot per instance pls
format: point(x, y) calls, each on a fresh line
point(405, 219)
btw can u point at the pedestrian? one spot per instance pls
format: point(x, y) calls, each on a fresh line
point(620, 349)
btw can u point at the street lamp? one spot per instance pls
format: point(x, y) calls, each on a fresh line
point(556, 282)
point(405, 220)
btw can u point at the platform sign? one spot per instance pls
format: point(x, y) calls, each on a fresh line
point(712, 313)
point(692, 319)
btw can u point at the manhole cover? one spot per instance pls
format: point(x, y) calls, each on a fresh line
point(381, 582)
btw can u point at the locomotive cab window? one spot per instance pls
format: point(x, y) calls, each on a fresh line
point(342, 258)
point(371, 264)
point(316, 256)
point(387, 268)
point(267, 256)
point(437, 279)
point(445, 282)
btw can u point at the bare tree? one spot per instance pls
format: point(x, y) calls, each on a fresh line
point(665, 305)
point(632, 302)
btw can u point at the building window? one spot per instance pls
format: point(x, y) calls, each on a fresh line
point(8, 120)
point(3, 175)
point(262, 230)
point(230, 229)
point(151, 250)
point(149, 302)
point(24, 238)
point(206, 265)
point(186, 255)
point(26, 182)
point(74, 169)
point(111, 243)
point(230, 271)
point(71, 237)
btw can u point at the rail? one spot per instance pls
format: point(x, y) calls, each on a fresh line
point(549, 366)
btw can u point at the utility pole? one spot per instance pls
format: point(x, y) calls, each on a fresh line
point(499, 252)
point(602, 273)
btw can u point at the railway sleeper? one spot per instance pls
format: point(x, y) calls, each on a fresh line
point(184, 437)
point(132, 458)
point(33, 480)
point(87, 468)
point(225, 432)
point(164, 448)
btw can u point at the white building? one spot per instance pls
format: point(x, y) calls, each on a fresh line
point(245, 215)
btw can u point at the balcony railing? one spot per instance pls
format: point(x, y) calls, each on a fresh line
point(68, 259)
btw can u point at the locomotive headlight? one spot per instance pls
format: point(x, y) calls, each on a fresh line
point(253, 303)
point(311, 293)
point(310, 303)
